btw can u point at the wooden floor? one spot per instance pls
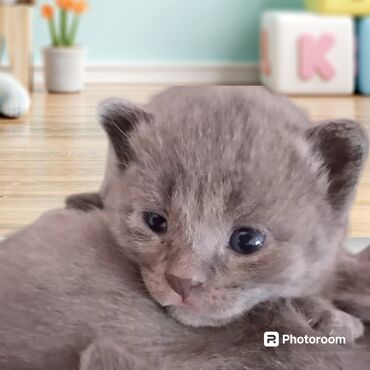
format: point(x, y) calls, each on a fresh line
point(59, 149)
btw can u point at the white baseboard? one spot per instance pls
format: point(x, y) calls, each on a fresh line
point(220, 73)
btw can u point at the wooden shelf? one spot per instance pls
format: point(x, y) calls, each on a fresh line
point(16, 30)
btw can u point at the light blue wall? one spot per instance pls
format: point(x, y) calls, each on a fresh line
point(162, 31)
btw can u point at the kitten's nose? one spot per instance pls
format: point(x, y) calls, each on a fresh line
point(182, 286)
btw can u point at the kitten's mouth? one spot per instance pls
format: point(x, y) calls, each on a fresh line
point(171, 301)
point(174, 300)
point(190, 311)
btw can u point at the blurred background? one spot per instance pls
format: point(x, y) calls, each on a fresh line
point(170, 31)
point(153, 41)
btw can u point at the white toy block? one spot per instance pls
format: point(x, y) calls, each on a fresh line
point(305, 53)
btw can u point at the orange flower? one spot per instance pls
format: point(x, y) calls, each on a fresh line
point(65, 4)
point(80, 6)
point(47, 11)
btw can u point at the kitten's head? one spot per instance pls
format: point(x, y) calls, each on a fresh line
point(226, 197)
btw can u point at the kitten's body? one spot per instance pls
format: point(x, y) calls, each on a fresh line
point(64, 285)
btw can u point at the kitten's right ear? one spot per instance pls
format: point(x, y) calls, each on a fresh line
point(118, 118)
point(343, 147)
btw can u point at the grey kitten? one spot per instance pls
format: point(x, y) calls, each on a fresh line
point(230, 154)
point(195, 206)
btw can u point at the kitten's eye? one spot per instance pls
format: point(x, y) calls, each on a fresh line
point(156, 222)
point(246, 240)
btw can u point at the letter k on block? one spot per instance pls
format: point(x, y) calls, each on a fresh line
point(312, 56)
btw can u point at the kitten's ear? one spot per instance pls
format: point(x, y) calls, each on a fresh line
point(84, 201)
point(118, 118)
point(343, 145)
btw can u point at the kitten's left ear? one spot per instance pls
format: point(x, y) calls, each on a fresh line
point(343, 146)
point(118, 118)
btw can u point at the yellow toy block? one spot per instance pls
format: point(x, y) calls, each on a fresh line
point(349, 7)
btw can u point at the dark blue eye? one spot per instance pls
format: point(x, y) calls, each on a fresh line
point(246, 240)
point(156, 222)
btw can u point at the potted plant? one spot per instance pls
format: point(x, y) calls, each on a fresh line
point(64, 60)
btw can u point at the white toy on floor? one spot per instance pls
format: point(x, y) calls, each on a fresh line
point(307, 53)
point(14, 99)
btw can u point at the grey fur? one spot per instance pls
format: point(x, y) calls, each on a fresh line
point(210, 159)
point(67, 290)
point(84, 201)
point(217, 146)
point(352, 289)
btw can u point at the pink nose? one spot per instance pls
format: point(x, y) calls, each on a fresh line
point(182, 286)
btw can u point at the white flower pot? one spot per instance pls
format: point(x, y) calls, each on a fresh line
point(64, 69)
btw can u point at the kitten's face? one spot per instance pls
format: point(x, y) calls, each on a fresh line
point(221, 216)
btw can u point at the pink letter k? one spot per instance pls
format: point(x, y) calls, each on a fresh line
point(311, 54)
